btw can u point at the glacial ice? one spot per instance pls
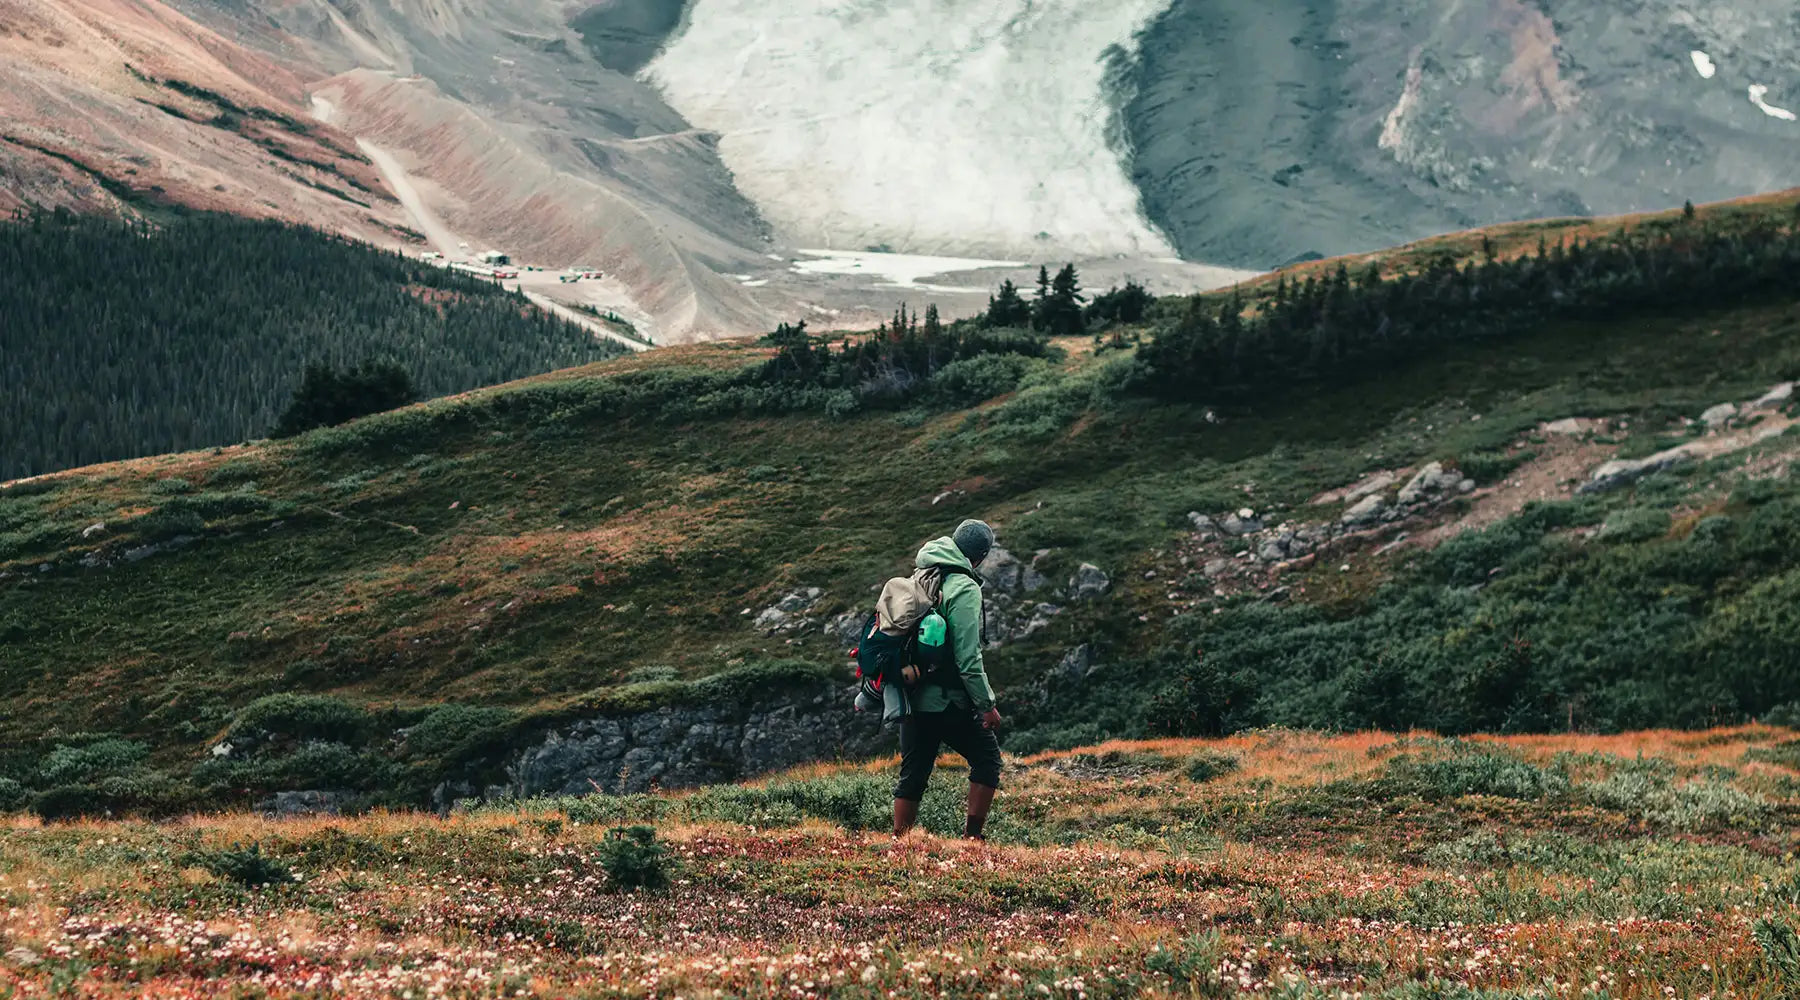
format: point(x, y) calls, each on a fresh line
point(936, 126)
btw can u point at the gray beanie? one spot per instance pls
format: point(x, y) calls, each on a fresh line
point(973, 539)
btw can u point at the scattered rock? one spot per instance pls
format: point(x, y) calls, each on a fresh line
point(1718, 416)
point(98, 527)
point(1774, 399)
point(1216, 568)
point(1429, 483)
point(1088, 583)
point(1368, 510)
point(313, 802)
point(1033, 578)
point(847, 627)
point(1237, 524)
point(1002, 570)
point(1204, 526)
point(1076, 664)
point(1569, 426)
point(1624, 471)
point(1369, 486)
point(1272, 550)
point(784, 615)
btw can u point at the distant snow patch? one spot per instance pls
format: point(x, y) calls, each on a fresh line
point(1757, 93)
point(1703, 64)
point(900, 269)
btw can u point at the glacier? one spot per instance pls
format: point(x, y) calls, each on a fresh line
point(920, 126)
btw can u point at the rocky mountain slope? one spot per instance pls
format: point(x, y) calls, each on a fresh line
point(109, 106)
point(696, 151)
point(1264, 131)
point(646, 571)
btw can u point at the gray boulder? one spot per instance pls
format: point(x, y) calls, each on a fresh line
point(313, 802)
point(1273, 550)
point(1033, 579)
point(1774, 399)
point(1625, 471)
point(1369, 486)
point(1718, 416)
point(1076, 663)
point(1428, 484)
point(1204, 526)
point(1216, 568)
point(1368, 510)
point(1089, 582)
point(1241, 522)
point(1002, 571)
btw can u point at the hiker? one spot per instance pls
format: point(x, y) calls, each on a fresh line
point(953, 706)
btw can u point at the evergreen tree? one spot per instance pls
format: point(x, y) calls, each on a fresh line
point(1060, 312)
point(327, 397)
point(1007, 309)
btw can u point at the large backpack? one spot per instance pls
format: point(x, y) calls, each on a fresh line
point(905, 643)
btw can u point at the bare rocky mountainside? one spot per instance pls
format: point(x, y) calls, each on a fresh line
point(729, 165)
point(1272, 129)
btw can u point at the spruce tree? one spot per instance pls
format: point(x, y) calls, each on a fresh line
point(1007, 309)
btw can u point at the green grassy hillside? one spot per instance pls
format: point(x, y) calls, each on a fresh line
point(600, 538)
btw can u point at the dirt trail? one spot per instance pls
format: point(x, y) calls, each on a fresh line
point(427, 221)
point(599, 328)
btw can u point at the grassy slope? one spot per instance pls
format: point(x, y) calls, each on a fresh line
point(1271, 864)
point(510, 560)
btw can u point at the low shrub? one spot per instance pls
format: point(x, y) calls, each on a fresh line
point(247, 866)
point(1637, 524)
point(75, 764)
point(634, 859)
point(12, 795)
point(1468, 770)
point(1205, 765)
point(302, 717)
point(1785, 754)
point(456, 733)
point(1193, 964)
point(973, 380)
point(71, 802)
point(1492, 466)
point(1646, 790)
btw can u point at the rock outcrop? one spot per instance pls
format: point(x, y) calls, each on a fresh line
point(680, 746)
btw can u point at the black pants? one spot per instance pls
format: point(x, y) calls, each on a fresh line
point(925, 732)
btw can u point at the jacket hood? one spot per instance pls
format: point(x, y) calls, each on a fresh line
point(942, 552)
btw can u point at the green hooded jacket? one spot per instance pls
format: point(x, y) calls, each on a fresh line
point(960, 604)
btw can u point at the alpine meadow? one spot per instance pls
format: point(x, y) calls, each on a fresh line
point(1417, 624)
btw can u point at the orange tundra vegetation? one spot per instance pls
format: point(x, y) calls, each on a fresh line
point(1274, 863)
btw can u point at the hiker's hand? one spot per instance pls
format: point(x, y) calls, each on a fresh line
point(990, 719)
point(909, 674)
